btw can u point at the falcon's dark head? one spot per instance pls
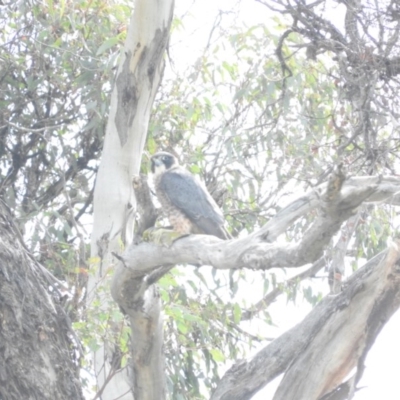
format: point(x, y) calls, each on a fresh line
point(162, 161)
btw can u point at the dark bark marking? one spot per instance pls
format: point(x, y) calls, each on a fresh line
point(159, 44)
point(127, 81)
point(127, 99)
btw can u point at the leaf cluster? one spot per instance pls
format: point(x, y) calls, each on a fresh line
point(57, 61)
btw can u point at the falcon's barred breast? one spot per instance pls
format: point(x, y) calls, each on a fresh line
point(186, 202)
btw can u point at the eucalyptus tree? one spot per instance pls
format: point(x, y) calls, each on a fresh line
point(310, 130)
point(292, 124)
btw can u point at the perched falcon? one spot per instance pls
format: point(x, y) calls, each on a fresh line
point(186, 202)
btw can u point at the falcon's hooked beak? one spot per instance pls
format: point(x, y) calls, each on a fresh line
point(162, 161)
point(157, 166)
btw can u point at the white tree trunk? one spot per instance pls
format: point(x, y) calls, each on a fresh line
point(137, 80)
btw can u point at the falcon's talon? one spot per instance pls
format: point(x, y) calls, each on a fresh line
point(161, 236)
point(181, 236)
point(147, 234)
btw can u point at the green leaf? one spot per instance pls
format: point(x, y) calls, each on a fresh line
point(183, 328)
point(107, 45)
point(237, 313)
point(217, 355)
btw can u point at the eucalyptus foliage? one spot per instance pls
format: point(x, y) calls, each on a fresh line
point(258, 129)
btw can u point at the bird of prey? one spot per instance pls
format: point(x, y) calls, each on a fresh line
point(185, 200)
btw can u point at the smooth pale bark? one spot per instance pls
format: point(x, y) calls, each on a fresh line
point(318, 353)
point(136, 83)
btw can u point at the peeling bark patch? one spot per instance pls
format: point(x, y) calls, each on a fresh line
point(158, 45)
point(127, 99)
point(128, 81)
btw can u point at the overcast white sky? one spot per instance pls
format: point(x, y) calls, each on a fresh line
point(382, 372)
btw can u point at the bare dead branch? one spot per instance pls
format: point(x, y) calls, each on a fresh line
point(357, 314)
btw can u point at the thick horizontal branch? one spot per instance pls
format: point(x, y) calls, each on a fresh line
point(256, 251)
